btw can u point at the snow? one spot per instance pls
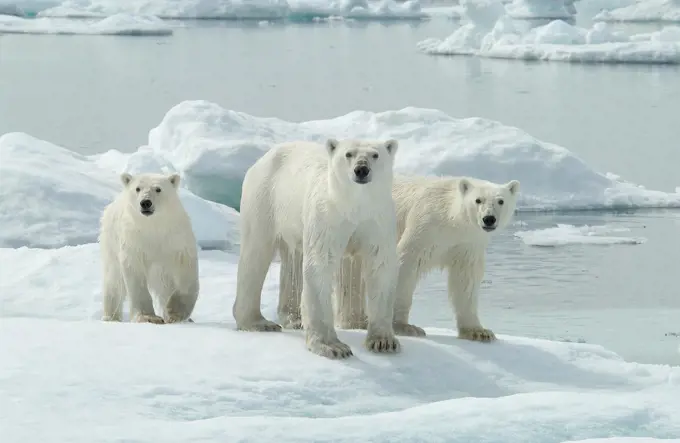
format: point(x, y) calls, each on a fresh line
point(643, 11)
point(52, 197)
point(119, 24)
point(243, 9)
point(67, 377)
point(488, 32)
point(213, 146)
point(563, 234)
point(113, 382)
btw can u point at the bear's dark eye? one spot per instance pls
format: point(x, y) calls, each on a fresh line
point(375, 156)
point(348, 155)
point(478, 201)
point(137, 190)
point(158, 189)
point(500, 202)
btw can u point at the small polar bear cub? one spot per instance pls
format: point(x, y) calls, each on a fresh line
point(446, 223)
point(148, 245)
point(314, 204)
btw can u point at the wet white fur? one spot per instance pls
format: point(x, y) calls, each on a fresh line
point(439, 226)
point(148, 254)
point(300, 199)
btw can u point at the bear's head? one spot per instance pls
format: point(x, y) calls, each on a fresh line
point(361, 161)
point(149, 194)
point(489, 205)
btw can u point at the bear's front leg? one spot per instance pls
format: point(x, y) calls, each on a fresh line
point(181, 305)
point(320, 260)
point(141, 303)
point(290, 287)
point(380, 270)
point(464, 280)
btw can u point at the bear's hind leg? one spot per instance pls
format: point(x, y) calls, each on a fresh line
point(290, 287)
point(349, 295)
point(257, 251)
point(113, 292)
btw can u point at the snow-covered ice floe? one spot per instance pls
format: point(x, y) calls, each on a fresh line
point(67, 377)
point(488, 32)
point(643, 11)
point(119, 24)
point(244, 9)
point(52, 197)
point(562, 235)
point(213, 147)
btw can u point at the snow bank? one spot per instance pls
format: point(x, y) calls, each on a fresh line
point(492, 34)
point(213, 147)
point(51, 197)
point(243, 9)
point(643, 11)
point(206, 382)
point(574, 235)
point(119, 24)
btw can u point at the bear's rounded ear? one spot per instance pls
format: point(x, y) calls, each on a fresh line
point(464, 186)
point(174, 180)
point(513, 186)
point(392, 146)
point(125, 178)
point(331, 145)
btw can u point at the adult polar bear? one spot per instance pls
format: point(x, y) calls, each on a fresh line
point(147, 244)
point(446, 223)
point(315, 205)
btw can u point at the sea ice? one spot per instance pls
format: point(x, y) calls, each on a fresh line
point(495, 35)
point(243, 9)
point(213, 147)
point(66, 377)
point(119, 24)
point(562, 235)
point(643, 11)
point(52, 197)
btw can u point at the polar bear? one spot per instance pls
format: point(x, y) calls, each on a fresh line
point(315, 205)
point(148, 245)
point(443, 222)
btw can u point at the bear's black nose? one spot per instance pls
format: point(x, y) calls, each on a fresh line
point(489, 220)
point(145, 204)
point(362, 172)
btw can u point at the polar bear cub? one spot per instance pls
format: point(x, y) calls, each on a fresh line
point(148, 245)
point(314, 205)
point(446, 223)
